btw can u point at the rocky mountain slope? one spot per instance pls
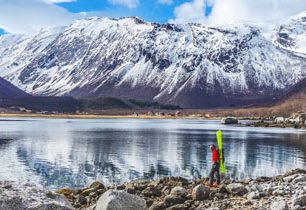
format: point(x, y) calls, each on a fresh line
point(193, 65)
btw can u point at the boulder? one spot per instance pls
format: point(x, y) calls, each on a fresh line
point(171, 200)
point(120, 200)
point(26, 196)
point(237, 189)
point(97, 185)
point(179, 191)
point(253, 195)
point(229, 121)
point(279, 205)
point(200, 192)
point(151, 191)
point(300, 201)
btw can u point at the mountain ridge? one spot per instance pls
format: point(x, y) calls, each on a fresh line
point(192, 65)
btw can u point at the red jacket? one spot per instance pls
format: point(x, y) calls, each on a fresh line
point(215, 156)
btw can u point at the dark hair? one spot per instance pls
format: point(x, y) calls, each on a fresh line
point(213, 146)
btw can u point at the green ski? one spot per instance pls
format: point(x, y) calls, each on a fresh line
point(219, 140)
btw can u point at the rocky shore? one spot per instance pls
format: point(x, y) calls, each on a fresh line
point(283, 192)
point(287, 191)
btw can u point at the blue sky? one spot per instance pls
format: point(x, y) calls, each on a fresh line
point(27, 16)
point(149, 10)
point(1, 31)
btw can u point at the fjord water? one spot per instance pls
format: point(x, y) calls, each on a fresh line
point(58, 153)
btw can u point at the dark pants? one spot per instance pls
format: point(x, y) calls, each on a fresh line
point(214, 169)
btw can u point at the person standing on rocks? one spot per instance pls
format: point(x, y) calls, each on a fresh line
point(215, 169)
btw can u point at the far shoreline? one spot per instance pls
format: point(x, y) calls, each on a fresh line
point(93, 116)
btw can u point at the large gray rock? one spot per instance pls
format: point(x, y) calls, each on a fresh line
point(237, 189)
point(15, 196)
point(300, 201)
point(253, 195)
point(179, 191)
point(279, 205)
point(200, 192)
point(120, 200)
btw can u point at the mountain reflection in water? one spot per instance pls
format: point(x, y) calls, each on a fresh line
point(55, 153)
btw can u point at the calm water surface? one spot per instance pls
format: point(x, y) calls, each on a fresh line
point(59, 153)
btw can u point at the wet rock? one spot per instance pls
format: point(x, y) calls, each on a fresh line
point(20, 197)
point(120, 200)
point(171, 200)
point(200, 192)
point(279, 205)
point(237, 189)
point(97, 185)
point(179, 191)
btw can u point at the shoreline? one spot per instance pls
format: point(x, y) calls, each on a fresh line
point(282, 192)
point(256, 124)
point(177, 193)
point(91, 116)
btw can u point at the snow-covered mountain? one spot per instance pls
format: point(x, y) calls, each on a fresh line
point(191, 65)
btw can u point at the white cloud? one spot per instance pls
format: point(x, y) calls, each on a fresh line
point(225, 11)
point(20, 16)
point(255, 11)
point(126, 3)
point(190, 12)
point(168, 2)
